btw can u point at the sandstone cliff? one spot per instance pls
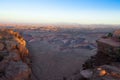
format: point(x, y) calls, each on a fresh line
point(14, 56)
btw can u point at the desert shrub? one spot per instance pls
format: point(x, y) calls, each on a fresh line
point(110, 35)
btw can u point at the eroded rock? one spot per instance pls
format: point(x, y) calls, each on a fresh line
point(105, 65)
point(87, 73)
point(14, 56)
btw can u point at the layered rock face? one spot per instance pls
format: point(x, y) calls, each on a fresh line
point(14, 57)
point(105, 65)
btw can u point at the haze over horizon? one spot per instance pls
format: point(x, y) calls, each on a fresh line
point(60, 11)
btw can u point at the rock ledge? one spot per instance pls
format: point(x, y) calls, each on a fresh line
point(14, 56)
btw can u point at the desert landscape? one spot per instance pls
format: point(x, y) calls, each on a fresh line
point(58, 53)
point(59, 39)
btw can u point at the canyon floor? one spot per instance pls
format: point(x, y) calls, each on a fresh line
point(59, 54)
point(51, 64)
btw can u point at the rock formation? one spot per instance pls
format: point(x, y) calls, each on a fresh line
point(105, 65)
point(14, 57)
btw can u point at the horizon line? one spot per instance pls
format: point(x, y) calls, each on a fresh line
point(67, 23)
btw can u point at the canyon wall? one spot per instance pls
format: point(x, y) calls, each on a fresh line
point(14, 56)
point(105, 65)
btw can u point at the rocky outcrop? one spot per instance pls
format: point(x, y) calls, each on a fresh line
point(105, 65)
point(14, 56)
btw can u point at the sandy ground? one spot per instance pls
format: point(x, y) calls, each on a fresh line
point(49, 63)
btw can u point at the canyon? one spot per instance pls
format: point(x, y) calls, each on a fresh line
point(51, 53)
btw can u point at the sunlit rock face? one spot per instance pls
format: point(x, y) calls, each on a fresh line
point(116, 33)
point(14, 56)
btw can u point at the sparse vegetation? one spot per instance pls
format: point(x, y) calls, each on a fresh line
point(110, 34)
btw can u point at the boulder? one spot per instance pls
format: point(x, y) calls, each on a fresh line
point(106, 72)
point(87, 73)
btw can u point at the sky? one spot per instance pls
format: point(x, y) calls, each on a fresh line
point(60, 11)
